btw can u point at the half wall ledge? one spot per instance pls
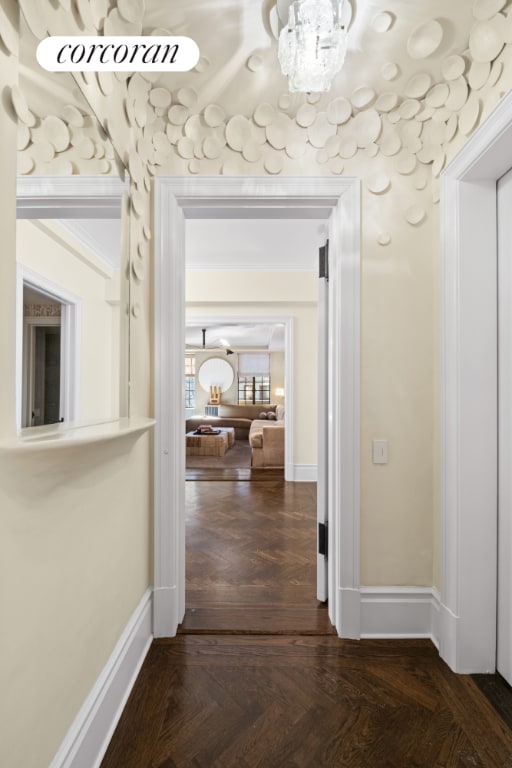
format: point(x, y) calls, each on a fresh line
point(55, 436)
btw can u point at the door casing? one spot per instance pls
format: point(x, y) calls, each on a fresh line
point(469, 402)
point(259, 197)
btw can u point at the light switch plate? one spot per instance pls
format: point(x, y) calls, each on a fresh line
point(380, 451)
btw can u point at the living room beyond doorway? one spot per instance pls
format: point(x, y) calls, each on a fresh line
point(234, 399)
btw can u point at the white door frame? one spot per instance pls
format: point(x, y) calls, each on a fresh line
point(30, 325)
point(257, 197)
point(70, 323)
point(205, 321)
point(504, 571)
point(469, 405)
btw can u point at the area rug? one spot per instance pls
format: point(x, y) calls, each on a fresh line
point(237, 457)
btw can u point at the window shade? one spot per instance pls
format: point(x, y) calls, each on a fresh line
point(254, 364)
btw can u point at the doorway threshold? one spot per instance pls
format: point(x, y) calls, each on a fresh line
point(255, 620)
point(235, 474)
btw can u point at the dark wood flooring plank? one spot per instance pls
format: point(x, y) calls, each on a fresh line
point(214, 698)
point(257, 545)
point(276, 701)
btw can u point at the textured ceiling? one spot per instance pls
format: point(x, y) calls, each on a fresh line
point(418, 79)
point(239, 51)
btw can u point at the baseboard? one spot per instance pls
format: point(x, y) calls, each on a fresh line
point(167, 615)
point(400, 612)
point(303, 473)
point(87, 740)
point(435, 618)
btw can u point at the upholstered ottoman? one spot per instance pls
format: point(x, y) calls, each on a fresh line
point(206, 445)
point(230, 432)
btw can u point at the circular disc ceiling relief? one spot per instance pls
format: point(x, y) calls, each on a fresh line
point(486, 9)
point(425, 39)
point(453, 67)
point(367, 127)
point(382, 21)
point(362, 97)
point(418, 85)
point(390, 70)
point(486, 40)
point(378, 183)
point(415, 214)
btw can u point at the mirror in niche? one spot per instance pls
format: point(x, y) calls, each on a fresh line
point(71, 306)
point(72, 255)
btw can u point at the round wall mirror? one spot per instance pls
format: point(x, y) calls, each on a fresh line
point(216, 372)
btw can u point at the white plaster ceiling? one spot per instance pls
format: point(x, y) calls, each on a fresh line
point(253, 244)
point(101, 236)
point(253, 336)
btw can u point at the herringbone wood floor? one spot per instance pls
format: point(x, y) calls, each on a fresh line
point(251, 559)
point(243, 686)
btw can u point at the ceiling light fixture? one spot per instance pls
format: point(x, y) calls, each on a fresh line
point(207, 347)
point(313, 44)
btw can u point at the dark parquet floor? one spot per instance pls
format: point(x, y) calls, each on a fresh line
point(256, 679)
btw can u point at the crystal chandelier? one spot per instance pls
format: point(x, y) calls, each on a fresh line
point(312, 46)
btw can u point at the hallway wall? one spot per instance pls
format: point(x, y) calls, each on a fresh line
point(75, 549)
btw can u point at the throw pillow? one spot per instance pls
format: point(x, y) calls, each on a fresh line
point(263, 415)
point(271, 416)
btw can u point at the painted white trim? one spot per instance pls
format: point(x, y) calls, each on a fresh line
point(435, 617)
point(248, 268)
point(344, 412)
point(469, 417)
point(399, 612)
point(169, 459)
point(202, 196)
point(88, 737)
point(29, 342)
point(69, 197)
point(303, 473)
point(289, 395)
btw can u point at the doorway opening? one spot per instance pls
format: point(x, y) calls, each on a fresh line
point(48, 319)
point(255, 353)
point(257, 197)
point(42, 362)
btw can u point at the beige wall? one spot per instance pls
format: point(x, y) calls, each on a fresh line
point(290, 294)
point(398, 379)
point(75, 524)
point(277, 376)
